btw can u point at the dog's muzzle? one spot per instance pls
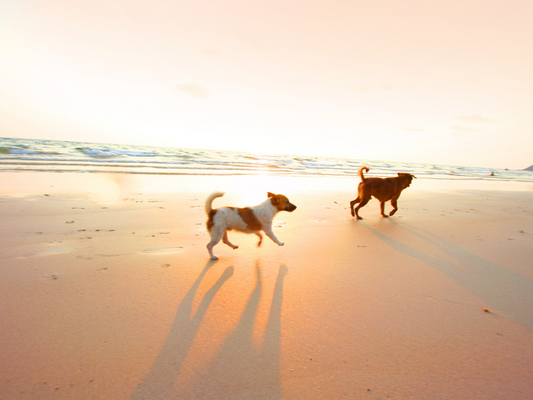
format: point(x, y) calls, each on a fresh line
point(290, 208)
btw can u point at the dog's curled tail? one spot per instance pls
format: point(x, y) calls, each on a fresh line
point(360, 173)
point(210, 199)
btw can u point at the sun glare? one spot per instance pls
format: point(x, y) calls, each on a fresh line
point(104, 191)
point(253, 189)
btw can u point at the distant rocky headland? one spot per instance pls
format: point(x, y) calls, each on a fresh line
point(529, 168)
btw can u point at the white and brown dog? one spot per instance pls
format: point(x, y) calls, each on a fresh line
point(248, 219)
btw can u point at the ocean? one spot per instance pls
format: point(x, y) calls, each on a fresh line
point(24, 155)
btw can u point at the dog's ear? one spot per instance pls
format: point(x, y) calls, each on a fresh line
point(273, 198)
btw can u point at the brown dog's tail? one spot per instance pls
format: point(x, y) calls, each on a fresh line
point(210, 199)
point(360, 173)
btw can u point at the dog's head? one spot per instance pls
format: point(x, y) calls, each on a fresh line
point(281, 202)
point(406, 179)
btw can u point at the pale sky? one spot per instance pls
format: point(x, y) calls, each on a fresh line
point(429, 81)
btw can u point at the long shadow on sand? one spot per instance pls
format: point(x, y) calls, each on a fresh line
point(509, 292)
point(241, 370)
point(159, 381)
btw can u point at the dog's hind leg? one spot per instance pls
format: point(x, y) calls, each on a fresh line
point(353, 203)
point(260, 238)
point(216, 235)
point(363, 203)
point(382, 207)
point(225, 240)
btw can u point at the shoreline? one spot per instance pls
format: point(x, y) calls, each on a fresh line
point(19, 183)
point(107, 291)
point(67, 157)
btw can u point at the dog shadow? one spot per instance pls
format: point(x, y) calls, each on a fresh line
point(238, 360)
point(159, 381)
point(240, 369)
point(507, 291)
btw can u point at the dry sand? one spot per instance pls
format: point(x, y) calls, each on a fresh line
point(107, 292)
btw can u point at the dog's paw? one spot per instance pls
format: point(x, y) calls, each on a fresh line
point(281, 243)
point(214, 258)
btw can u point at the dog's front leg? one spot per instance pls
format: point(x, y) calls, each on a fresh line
point(394, 204)
point(271, 235)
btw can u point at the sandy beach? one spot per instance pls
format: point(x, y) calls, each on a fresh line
point(107, 291)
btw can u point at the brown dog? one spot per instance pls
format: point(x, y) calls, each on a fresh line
point(383, 189)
